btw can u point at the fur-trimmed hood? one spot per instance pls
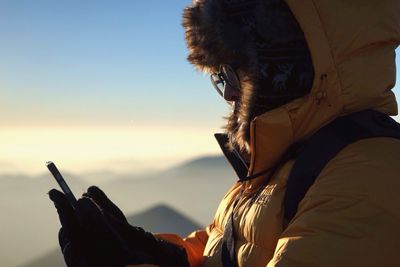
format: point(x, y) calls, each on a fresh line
point(263, 42)
point(352, 46)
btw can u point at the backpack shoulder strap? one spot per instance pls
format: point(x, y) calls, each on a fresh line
point(325, 144)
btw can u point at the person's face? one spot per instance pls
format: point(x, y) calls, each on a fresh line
point(227, 83)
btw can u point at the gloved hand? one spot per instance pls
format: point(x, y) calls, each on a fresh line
point(97, 233)
point(160, 252)
point(88, 238)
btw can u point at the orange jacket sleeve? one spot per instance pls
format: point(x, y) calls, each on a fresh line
point(194, 244)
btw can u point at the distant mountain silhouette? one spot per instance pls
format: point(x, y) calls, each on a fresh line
point(164, 219)
point(201, 164)
point(215, 165)
point(157, 219)
point(194, 188)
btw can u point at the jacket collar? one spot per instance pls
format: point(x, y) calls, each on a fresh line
point(235, 160)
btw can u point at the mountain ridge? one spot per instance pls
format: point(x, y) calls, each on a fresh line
point(172, 222)
point(193, 188)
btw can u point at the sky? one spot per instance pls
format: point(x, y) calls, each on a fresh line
point(89, 82)
point(100, 85)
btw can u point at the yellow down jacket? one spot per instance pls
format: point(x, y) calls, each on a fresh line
point(351, 214)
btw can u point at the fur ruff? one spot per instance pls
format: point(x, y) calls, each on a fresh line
point(213, 38)
point(208, 49)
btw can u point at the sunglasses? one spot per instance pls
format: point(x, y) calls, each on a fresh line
point(226, 75)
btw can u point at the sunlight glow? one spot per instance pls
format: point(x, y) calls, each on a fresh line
point(101, 149)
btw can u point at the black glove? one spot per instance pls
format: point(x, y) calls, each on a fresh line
point(87, 238)
point(97, 233)
point(107, 206)
point(160, 252)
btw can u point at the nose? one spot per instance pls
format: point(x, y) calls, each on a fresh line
point(230, 93)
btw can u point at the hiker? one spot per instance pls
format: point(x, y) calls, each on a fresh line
point(309, 136)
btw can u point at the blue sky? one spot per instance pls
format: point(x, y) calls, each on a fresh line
point(96, 62)
point(99, 62)
point(93, 84)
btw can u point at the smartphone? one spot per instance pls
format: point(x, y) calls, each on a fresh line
point(63, 184)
